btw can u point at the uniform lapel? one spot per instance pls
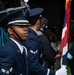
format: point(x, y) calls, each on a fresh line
point(19, 56)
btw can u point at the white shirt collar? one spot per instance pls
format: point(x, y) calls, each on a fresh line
point(19, 46)
point(39, 33)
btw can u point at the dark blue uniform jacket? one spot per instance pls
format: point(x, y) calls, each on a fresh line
point(11, 60)
point(35, 52)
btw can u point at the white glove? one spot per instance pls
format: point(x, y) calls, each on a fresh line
point(61, 71)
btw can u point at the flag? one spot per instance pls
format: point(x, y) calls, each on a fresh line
point(65, 34)
point(3, 37)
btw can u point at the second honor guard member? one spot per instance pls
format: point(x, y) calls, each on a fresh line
point(34, 47)
point(12, 56)
point(35, 50)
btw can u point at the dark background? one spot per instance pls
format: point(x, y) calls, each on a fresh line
point(54, 12)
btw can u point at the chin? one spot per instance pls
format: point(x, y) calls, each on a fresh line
point(25, 38)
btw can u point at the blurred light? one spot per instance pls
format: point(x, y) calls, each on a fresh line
point(26, 0)
point(54, 26)
point(56, 30)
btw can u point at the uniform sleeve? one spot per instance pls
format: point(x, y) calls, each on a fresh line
point(33, 58)
point(71, 51)
point(6, 65)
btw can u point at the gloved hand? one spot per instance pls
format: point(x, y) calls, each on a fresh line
point(61, 71)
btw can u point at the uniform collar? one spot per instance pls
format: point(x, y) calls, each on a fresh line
point(34, 29)
point(19, 46)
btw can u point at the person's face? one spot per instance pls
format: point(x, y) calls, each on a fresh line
point(22, 31)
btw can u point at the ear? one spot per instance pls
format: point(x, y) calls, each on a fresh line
point(38, 22)
point(10, 31)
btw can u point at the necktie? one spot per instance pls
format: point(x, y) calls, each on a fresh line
point(25, 58)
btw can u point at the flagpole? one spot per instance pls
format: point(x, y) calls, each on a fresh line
point(65, 34)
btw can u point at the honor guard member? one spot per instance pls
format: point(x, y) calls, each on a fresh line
point(12, 55)
point(48, 56)
point(34, 47)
